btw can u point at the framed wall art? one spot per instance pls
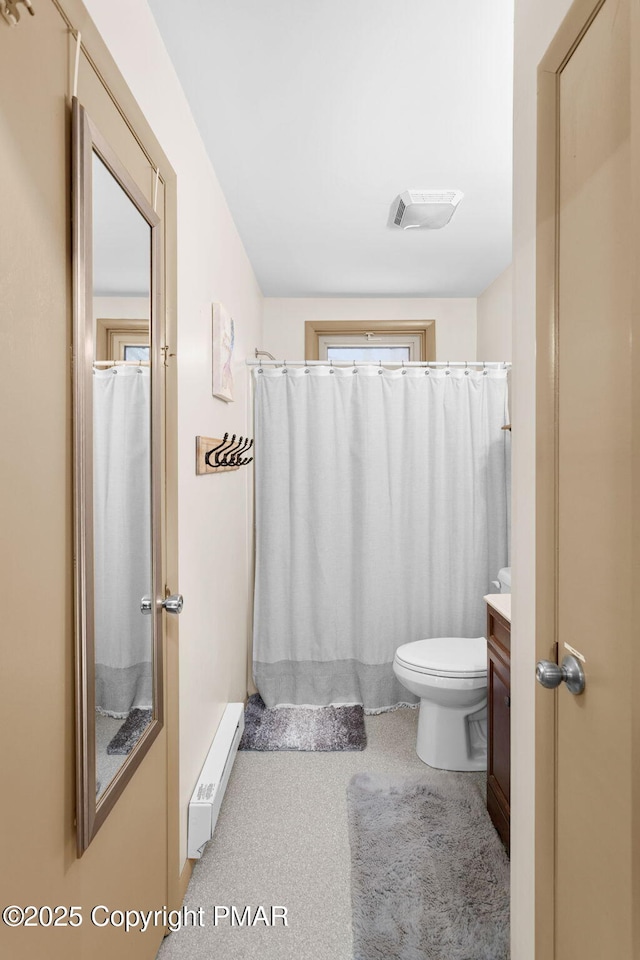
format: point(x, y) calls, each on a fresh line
point(222, 342)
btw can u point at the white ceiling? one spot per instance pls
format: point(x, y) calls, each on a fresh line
point(317, 113)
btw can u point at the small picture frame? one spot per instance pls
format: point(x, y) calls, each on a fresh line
point(223, 336)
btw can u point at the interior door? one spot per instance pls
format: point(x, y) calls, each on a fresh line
point(127, 862)
point(586, 486)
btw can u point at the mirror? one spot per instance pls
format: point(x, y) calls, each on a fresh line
point(116, 466)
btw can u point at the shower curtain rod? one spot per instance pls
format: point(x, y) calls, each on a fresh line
point(121, 363)
point(493, 364)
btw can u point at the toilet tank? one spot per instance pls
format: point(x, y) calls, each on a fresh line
point(504, 579)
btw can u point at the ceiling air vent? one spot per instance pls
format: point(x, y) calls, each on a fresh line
point(424, 208)
point(398, 217)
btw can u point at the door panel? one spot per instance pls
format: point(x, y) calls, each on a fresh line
point(126, 865)
point(585, 566)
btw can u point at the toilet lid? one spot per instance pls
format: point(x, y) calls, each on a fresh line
point(446, 656)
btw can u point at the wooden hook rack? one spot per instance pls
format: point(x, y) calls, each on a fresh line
point(215, 455)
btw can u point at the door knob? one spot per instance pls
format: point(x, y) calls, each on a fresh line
point(550, 675)
point(173, 604)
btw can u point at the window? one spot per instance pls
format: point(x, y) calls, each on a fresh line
point(122, 339)
point(133, 351)
point(386, 340)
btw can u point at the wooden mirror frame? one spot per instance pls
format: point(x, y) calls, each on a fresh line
point(86, 139)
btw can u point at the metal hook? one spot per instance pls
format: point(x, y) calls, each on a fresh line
point(207, 456)
point(232, 455)
point(222, 455)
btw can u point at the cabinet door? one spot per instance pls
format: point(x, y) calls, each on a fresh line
point(499, 725)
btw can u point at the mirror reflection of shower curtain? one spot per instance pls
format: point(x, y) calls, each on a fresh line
point(122, 539)
point(381, 518)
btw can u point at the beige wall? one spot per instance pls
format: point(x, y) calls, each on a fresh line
point(536, 21)
point(213, 511)
point(284, 320)
point(121, 308)
point(495, 315)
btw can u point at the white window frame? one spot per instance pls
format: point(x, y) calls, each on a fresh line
point(368, 340)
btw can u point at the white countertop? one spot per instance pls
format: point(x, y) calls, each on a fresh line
point(500, 602)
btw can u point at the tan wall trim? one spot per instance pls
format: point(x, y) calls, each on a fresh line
point(183, 883)
point(111, 333)
point(635, 399)
point(546, 514)
point(426, 329)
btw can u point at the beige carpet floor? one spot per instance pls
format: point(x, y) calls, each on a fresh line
point(281, 840)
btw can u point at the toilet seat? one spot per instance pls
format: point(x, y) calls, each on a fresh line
point(445, 656)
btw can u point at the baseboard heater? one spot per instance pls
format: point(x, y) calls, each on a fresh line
point(206, 799)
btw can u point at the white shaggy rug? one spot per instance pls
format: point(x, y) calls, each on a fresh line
point(429, 875)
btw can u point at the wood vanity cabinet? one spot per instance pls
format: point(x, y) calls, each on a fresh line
point(499, 721)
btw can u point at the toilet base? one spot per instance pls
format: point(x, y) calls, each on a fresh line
point(453, 738)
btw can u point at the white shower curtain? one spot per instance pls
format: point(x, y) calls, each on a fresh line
point(122, 538)
point(381, 518)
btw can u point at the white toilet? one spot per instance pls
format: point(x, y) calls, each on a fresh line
point(449, 674)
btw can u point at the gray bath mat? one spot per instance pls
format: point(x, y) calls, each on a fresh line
point(302, 728)
point(130, 732)
point(429, 875)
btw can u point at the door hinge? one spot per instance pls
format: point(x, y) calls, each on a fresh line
point(165, 354)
